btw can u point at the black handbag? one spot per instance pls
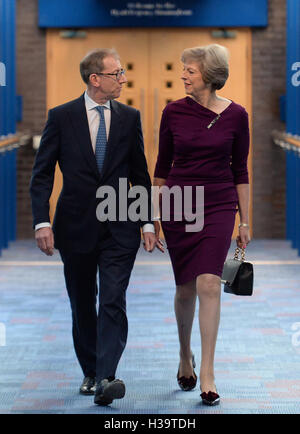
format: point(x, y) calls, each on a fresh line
point(237, 275)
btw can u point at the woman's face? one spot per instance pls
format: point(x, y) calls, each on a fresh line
point(192, 79)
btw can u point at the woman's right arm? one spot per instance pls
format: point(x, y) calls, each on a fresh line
point(159, 182)
point(163, 165)
point(165, 151)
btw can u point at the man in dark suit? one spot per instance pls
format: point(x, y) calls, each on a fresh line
point(96, 141)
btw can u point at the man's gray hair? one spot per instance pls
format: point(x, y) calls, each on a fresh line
point(213, 63)
point(93, 62)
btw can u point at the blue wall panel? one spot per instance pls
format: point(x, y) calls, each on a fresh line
point(293, 121)
point(293, 67)
point(7, 122)
point(7, 58)
point(147, 13)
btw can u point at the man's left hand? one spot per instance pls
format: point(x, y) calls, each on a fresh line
point(149, 241)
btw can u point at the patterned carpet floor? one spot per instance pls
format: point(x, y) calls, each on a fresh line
point(257, 356)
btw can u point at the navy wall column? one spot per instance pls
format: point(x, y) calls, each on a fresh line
point(7, 122)
point(293, 122)
point(7, 57)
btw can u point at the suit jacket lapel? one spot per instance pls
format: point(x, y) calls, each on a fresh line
point(82, 133)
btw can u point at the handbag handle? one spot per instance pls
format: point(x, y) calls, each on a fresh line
point(237, 252)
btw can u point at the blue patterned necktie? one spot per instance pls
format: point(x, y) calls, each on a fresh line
point(101, 140)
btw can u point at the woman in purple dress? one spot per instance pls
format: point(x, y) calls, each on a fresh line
point(204, 141)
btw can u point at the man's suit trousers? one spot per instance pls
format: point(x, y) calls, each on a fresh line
point(99, 338)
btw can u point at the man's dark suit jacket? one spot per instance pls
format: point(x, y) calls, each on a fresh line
point(66, 139)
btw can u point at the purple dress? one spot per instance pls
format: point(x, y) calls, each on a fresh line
point(190, 154)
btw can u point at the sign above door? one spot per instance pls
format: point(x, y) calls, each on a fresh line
point(176, 13)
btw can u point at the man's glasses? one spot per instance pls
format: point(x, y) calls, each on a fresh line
point(118, 74)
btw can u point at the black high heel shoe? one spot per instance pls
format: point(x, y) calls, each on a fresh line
point(210, 398)
point(185, 383)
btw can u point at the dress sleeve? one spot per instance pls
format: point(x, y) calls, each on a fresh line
point(165, 153)
point(240, 150)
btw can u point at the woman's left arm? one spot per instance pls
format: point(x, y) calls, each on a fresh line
point(239, 168)
point(244, 233)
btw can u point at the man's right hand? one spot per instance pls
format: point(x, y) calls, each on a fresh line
point(45, 240)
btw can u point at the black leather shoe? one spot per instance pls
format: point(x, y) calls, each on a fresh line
point(107, 391)
point(88, 386)
point(187, 384)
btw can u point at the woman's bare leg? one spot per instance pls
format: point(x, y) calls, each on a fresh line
point(209, 293)
point(184, 303)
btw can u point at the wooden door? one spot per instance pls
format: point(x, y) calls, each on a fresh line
point(151, 58)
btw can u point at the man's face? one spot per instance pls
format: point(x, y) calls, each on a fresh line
point(109, 85)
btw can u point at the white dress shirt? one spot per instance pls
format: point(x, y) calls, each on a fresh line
point(93, 117)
